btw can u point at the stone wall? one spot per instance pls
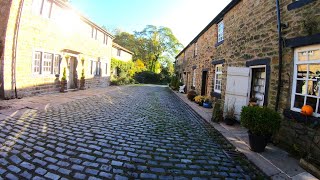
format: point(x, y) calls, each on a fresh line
point(250, 34)
point(4, 16)
point(64, 33)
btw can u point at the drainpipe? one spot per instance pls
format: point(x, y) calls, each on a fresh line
point(14, 50)
point(280, 56)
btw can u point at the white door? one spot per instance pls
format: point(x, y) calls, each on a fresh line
point(237, 89)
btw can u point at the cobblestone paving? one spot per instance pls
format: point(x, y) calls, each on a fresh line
point(138, 132)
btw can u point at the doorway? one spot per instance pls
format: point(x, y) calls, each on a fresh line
point(73, 74)
point(204, 83)
point(258, 84)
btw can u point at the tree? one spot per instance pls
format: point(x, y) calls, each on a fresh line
point(158, 42)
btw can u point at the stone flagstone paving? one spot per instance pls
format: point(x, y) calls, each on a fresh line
point(138, 132)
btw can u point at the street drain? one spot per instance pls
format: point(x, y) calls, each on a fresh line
point(233, 154)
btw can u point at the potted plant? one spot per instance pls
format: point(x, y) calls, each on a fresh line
point(230, 117)
point(63, 83)
point(217, 113)
point(262, 123)
point(207, 103)
point(191, 94)
point(82, 81)
point(199, 100)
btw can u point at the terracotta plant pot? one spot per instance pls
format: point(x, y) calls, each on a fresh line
point(82, 84)
point(63, 86)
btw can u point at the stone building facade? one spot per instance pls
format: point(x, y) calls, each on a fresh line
point(41, 39)
point(121, 53)
point(236, 58)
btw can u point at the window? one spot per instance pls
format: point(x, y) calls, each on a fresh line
point(92, 32)
point(96, 37)
point(93, 68)
point(106, 68)
point(118, 52)
point(195, 49)
point(42, 7)
point(37, 62)
point(56, 64)
point(105, 40)
point(98, 68)
point(220, 31)
point(47, 63)
point(194, 78)
point(218, 78)
point(306, 80)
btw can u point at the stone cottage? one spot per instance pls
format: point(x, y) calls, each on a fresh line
point(256, 50)
point(42, 38)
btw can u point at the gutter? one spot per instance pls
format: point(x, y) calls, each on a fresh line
point(280, 45)
point(14, 50)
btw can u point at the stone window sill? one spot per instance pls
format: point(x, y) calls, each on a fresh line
point(298, 117)
point(298, 4)
point(219, 43)
point(216, 95)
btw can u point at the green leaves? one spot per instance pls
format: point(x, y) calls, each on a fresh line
point(260, 120)
point(151, 45)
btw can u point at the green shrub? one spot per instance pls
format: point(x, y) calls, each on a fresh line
point(64, 75)
point(260, 120)
point(191, 94)
point(121, 81)
point(174, 84)
point(217, 113)
point(147, 77)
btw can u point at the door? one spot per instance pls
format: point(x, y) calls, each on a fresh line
point(237, 89)
point(188, 81)
point(73, 77)
point(204, 83)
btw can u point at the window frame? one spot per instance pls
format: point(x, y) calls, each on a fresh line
point(194, 77)
point(220, 32)
point(33, 62)
point(118, 52)
point(216, 73)
point(295, 79)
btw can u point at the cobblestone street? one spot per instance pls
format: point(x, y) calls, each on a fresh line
point(137, 132)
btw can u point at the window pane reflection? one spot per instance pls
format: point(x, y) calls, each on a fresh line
point(302, 71)
point(301, 87)
point(312, 102)
point(303, 56)
point(298, 101)
point(314, 55)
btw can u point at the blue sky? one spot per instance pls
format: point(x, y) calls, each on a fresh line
point(186, 18)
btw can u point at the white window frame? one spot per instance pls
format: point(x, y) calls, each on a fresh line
point(194, 78)
point(34, 65)
point(220, 31)
point(56, 67)
point(216, 77)
point(294, 84)
point(196, 49)
point(47, 60)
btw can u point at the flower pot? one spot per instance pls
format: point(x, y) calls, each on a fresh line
point(207, 105)
point(63, 85)
point(229, 121)
point(257, 143)
point(82, 84)
point(200, 103)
